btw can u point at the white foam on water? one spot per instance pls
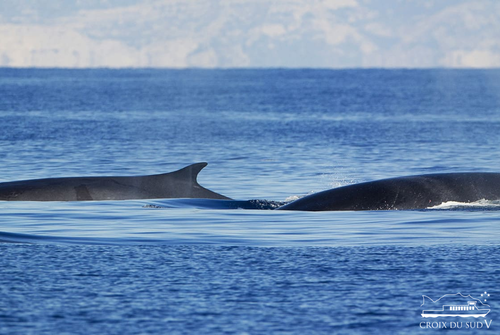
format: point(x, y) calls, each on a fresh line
point(480, 204)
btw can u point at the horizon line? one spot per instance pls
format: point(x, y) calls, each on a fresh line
point(444, 68)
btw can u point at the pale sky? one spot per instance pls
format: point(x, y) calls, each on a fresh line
point(250, 33)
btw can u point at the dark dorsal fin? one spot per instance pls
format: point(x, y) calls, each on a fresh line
point(188, 176)
point(190, 172)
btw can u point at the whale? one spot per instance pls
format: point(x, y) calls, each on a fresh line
point(178, 184)
point(403, 193)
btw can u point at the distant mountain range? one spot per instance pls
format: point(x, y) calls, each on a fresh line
point(250, 33)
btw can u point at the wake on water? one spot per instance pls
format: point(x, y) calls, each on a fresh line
point(479, 205)
point(259, 204)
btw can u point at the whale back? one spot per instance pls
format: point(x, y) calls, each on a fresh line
point(178, 184)
point(413, 192)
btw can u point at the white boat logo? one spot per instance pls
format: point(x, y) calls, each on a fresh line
point(456, 305)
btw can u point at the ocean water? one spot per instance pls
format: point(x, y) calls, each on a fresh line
point(189, 266)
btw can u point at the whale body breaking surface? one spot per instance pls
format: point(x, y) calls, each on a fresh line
point(402, 193)
point(177, 184)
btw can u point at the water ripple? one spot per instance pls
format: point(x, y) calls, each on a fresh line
point(176, 222)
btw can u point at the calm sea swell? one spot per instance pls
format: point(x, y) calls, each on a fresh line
point(200, 266)
point(189, 221)
point(182, 289)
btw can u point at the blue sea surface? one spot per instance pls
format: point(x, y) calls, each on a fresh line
point(191, 266)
